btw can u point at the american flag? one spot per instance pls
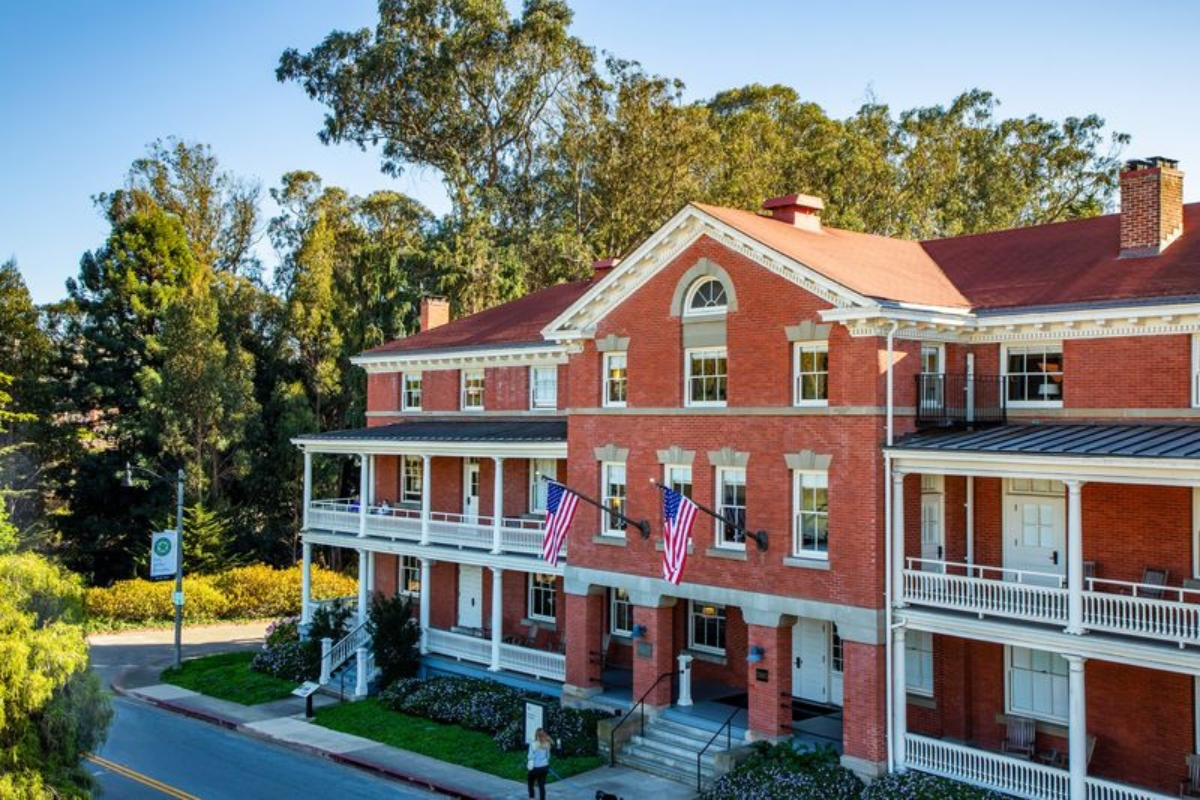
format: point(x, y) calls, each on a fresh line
point(678, 515)
point(561, 503)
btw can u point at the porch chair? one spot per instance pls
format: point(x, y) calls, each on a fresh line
point(1061, 758)
point(1191, 786)
point(1155, 580)
point(1021, 737)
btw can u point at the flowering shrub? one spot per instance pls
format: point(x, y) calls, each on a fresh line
point(144, 601)
point(921, 785)
point(493, 708)
point(780, 772)
point(293, 661)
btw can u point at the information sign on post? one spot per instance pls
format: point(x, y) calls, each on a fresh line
point(535, 717)
point(164, 554)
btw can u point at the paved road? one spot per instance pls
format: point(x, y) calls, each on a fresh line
point(135, 658)
point(173, 756)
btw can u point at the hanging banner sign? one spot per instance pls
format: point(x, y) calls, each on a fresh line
point(164, 554)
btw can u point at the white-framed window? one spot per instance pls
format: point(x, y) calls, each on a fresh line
point(1037, 684)
point(472, 390)
point(810, 365)
point(933, 376)
point(542, 596)
point(679, 478)
point(410, 395)
point(918, 662)
point(1034, 374)
point(620, 612)
point(837, 653)
point(545, 467)
point(410, 576)
point(706, 377)
point(731, 505)
point(810, 499)
point(1196, 391)
point(706, 296)
point(412, 469)
point(613, 493)
point(706, 627)
point(616, 380)
point(543, 387)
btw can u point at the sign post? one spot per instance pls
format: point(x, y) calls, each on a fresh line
point(164, 554)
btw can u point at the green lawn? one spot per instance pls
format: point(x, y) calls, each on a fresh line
point(228, 676)
point(448, 743)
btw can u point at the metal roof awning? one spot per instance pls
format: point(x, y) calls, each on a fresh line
point(1160, 453)
point(525, 438)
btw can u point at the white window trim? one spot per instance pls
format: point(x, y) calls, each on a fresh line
point(404, 475)
point(925, 688)
point(545, 405)
point(606, 519)
point(797, 550)
point(669, 483)
point(1008, 703)
point(402, 587)
point(718, 528)
point(605, 365)
point(467, 374)
point(715, 311)
point(612, 614)
point(688, 402)
point(404, 378)
point(1196, 384)
point(537, 486)
point(691, 638)
point(532, 586)
point(797, 349)
point(1052, 346)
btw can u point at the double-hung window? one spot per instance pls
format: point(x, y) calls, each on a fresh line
point(707, 376)
point(542, 596)
point(706, 627)
point(810, 532)
point(616, 381)
point(413, 468)
point(933, 376)
point(543, 387)
point(620, 612)
point(1037, 684)
point(472, 390)
point(410, 576)
point(918, 662)
point(613, 493)
point(679, 478)
point(539, 470)
point(731, 505)
point(410, 395)
point(1034, 374)
point(811, 370)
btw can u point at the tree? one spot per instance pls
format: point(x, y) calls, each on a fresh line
point(8, 531)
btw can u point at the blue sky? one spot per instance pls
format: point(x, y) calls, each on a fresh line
point(84, 86)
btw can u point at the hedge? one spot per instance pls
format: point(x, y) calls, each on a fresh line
point(239, 593)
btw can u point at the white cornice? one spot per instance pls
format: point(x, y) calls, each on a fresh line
point(1152, 471)
point(548, 354)
point(367, 446)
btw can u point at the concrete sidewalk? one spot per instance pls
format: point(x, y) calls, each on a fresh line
point(283, 722)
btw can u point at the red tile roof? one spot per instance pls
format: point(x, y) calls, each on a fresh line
point(518, 322)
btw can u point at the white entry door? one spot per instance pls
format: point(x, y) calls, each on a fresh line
point(1034, 525)
point(471, 490)
point(470, 596)
point(933, 526)
point(810, 660)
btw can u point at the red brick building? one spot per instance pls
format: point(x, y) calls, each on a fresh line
point(974, 463)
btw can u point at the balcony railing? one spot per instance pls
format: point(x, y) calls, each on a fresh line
point(517, 534)
point(1131, 609)
point(525, 660)
point(950, 401)
point(1012, 776)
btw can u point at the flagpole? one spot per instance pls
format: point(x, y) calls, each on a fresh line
point(642, 525)
point(759, 537)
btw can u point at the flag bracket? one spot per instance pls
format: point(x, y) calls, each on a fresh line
point(642, 525)
point(758, 537)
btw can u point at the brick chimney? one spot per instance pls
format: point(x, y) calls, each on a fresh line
point(603, 267)
point(1151, 206)
point(802, 211)
point(435, 311)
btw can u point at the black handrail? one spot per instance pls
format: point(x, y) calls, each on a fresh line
point(612, 735)
point(961, 400)
point(728, 728)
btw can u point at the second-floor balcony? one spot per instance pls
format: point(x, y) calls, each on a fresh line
point(1141, 610)
point(514, 535)
point(953, 401)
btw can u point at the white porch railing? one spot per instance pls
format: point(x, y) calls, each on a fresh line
point(517, 534)
point(340, 653)
point(1130, 609)
point(349, 601)
point(1006, 774)
point(527, 661)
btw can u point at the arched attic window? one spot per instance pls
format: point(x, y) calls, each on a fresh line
point(706, 296)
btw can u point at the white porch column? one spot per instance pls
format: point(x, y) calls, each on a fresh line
point(370, 495)
point(363, 578)
point(371, 572)
point(898, 541)
point(1077, 729)
point(426, 591)
point(363, 487)
point(497, 505)
point(306, 584)
point(1074, 557)
point(497, 615)
point(425, 495)
point(899, 699)
point(307, 486)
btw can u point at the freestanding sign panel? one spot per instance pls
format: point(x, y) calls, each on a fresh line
point(535, 716)
point(164, 554)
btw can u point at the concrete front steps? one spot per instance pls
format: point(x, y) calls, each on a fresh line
point(669, 747)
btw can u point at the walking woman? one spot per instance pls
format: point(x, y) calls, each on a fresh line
point(538, 762)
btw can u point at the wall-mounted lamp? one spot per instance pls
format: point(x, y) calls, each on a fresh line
point(639, 632)
point(756, 653)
